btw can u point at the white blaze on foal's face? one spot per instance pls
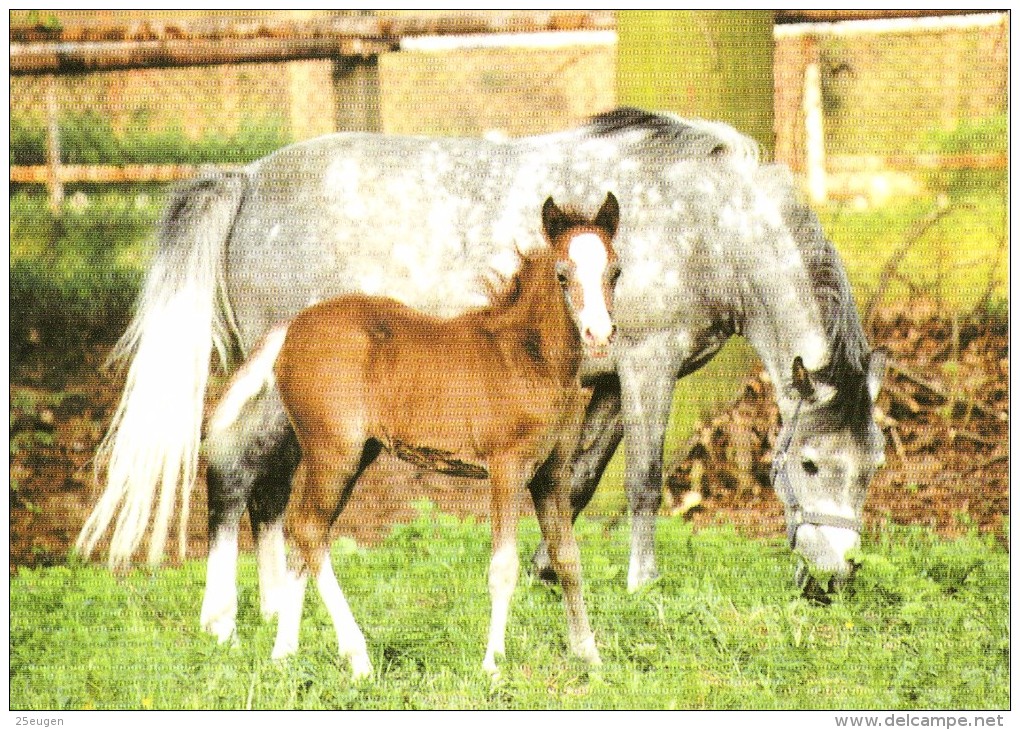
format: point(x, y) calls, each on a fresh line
point(591, 289)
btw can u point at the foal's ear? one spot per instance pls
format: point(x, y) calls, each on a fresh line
point(802, 379)
point(554, 220)
point(608, 218)
point(877, 363)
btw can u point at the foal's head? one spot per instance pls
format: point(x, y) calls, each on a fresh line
point(586, 268)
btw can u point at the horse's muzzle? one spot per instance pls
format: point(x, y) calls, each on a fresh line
point(823, 551)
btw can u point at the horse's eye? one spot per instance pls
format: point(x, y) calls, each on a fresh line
point(614, 274)
point(810, 467)
point(561, 277)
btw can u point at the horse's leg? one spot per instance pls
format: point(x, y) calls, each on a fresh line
point(266, 504)
point(553, 507)
point(244, 456)
point(505, 478)
point(601, 432)
point(647, 395)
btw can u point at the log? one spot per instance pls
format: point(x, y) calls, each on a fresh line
point(39, 174)
point(68, 58)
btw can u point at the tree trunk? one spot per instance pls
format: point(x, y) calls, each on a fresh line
point(712, 64)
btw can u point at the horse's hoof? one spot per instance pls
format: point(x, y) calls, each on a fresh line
point(282, 651)
point(491, 668)
point(541, 566)
point(641, 579)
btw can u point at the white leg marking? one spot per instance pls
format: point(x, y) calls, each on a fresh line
point(350, 640)
point(502, 580)
point(272, 563)
point(289, 626)
point(219, 607)
point(642, 563)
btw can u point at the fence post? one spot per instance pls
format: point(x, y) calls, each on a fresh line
point(53, 182)
point(356, 81)
point(814, 130)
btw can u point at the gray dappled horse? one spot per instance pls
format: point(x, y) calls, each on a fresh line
point(711, 243)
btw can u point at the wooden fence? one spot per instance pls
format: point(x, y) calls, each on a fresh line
point(353, 42)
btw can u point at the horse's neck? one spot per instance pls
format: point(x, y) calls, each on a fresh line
point(536, 325)
point(782, 321)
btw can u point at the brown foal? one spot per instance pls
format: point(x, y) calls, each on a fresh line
point(494, 392)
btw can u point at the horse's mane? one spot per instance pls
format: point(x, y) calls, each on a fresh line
point(683, 137)
point(673, 138)
point(848, 345)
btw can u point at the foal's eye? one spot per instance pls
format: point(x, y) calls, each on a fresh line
point(810, 467)
point(562, 276)
point(614, 274)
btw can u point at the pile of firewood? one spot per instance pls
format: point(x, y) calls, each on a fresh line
point(944, 409)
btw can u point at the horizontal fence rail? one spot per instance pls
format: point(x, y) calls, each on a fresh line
point(40, 174)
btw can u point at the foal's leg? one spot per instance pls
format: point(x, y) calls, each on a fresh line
point(253, 453)
point(601, 433)
point(505, 478)
point(329, 473)
point(552, 505)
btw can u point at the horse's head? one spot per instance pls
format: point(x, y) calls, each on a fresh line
point(586, 268)
point(826, 455)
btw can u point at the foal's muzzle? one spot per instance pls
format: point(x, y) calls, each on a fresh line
point(597, 345)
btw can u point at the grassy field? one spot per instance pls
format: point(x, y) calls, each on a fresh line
point(926, 626)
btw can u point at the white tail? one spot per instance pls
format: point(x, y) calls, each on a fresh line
point(151, 450)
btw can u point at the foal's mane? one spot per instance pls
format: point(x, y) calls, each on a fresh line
point(513, 299)
point(530, 316)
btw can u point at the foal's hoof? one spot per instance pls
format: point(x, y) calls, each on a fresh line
point(541, 566)
point(361, 667)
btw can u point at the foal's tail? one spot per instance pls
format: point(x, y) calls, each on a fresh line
point(151, 449)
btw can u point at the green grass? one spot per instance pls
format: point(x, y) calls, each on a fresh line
point(925, 627)
point(88, 138)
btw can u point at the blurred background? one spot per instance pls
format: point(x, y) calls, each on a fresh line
point(894, 122)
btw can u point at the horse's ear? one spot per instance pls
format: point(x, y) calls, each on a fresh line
point(877, 363)
point(802, 379)
point(608, 218)
point(554, 220)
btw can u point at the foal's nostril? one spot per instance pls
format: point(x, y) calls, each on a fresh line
point(593, 339)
